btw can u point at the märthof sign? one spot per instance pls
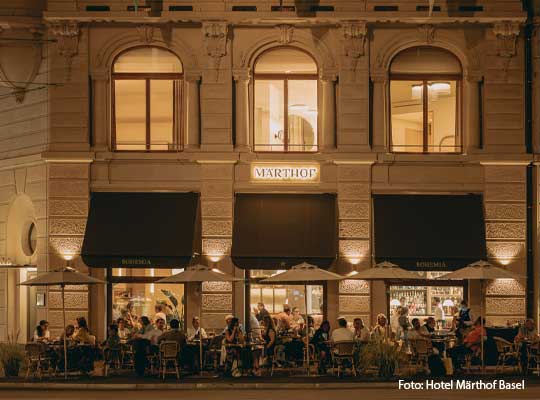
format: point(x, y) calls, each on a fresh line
point(293, 173)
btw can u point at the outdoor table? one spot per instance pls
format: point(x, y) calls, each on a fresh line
point(246, 351)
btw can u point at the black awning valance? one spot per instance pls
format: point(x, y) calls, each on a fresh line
point(276, 230)
point(429, 232)
point(141, 230)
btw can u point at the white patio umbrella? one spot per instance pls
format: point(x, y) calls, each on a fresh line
point(304, 273)
point(199, 273)
point(62, 277)
point(481, 271)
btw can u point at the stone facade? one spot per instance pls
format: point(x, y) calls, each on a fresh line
point(55, 142)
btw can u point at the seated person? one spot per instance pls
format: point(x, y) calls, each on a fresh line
point(196, 330)
point(82, 334)
point(284, 319)
point(176, 335)
point(527, 332)
point(233, 335)
point(145, 343)
point(361, 333)
point(297, 321)
point(123, 330)
point(417, 331)
point(42, 333)
point(269, 335)
point(113, 339)
point(68, 333)
point(380, 331)
point(159, 313)
point(471, 344)
point(320, 341)
point(429, 327)
point(342, 334)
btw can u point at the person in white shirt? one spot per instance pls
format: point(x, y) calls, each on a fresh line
point(149, 332)
point(342, 334)
point(361, 333)
point(193, 333)
point(42, 333)
point(159, 313)
point(439, 312)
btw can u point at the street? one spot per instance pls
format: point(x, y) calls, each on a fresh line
point(532, 392)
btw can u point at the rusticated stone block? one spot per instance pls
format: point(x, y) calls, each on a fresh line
point(505, 230)
point(216, 228)
point(505, 192)
point(36, 173)
point(503, 321)
point(354, 229)
point(60, 188)
point(216, 247)
point(505, 287)
point(354, 248)
point(68, 207)
point(505, 306)
point(360, 173)
point(216, 302)
point(217, 286)
point(360, 304)
point(221, 209)
point(499, 173)
point(72, 300)
point(214, 321)
point(505, 250)
point(505, 211)
point(217, 171)
point(55, 317)
point(211, 189)
point(68, 171)
point(64, 226)
point(353, 210)
point(354, 286)
point(36, 190)
point(353, 191)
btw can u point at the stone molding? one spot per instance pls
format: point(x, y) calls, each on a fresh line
point(67, 35)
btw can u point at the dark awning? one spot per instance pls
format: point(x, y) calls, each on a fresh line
point(276, 230)
point(141, 230)
point(429, 232)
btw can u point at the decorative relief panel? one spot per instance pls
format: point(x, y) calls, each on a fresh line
point(216, 247)
point(505, 287)
point(66, 245)
point(216, 209)
point(353, 191)
point(354, 286)
point(216, 302)
point(356, 210)
point(69, 171)
point(505, 250)
point(505, 211)
point(506, 230)
point(505, 192)
point(505, 306)
point(59, 188)
point(72, 300)
point(62, 226)
point(216, 228)
point(217, 286)
point(68, 207)
point(354, 248)
point(354, 304)
point(353, 229)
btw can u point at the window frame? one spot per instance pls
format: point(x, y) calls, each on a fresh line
point(178, 82)
point(285, 77)
point(425, 78)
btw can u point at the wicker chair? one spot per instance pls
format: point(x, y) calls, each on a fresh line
point(168, 355)
point(212, 354)
point(36, 359)
point(112, 358)
point(127, 356)
point(343, 352)
point(507, 352)
point(533, 358)
point(421, 350)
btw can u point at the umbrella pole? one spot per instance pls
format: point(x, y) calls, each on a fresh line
point(307, 327)
point(65, 338)
point(482, 322)
point(200, 351)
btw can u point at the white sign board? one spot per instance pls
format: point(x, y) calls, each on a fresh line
point(291, 173)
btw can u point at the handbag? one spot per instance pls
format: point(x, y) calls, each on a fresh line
point(448, 366)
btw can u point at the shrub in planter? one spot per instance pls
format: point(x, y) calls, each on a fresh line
point(382, 355)
point(11, 356)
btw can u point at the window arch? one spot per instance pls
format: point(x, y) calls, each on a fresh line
point(146, 93)
point(285, 101)
point(425, 97)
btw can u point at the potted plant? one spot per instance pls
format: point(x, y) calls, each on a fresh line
point(11, 356)
point(382, 355)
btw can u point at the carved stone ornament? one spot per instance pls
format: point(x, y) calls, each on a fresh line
point(66, 34)
point(215, 40)
point(146, 33)
point(426, 33)
point(285, 33)
point(354, 38)
point(506, 33)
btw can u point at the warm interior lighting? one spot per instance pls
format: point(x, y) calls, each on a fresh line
point(4, 261)
point(434, 89)
point(215, 259)
point(448, 303)
point(217, 270)
point(504, 261)
point(68, 257)
point(395, 303)
point(152, 286)
point(352, 273)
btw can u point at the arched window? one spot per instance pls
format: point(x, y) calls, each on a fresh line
point(425, 87)
point(146, 93)
point(285, 112)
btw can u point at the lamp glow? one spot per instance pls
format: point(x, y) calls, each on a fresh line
point(395, 303)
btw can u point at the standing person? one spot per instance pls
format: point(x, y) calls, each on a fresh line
point(394, 321)
point(438, 312)
point(403, 321)
point(464, 320)
point(260, 312)
point(269, 336)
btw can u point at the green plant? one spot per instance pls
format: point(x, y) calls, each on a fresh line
point(382, 355)
point(11, 355)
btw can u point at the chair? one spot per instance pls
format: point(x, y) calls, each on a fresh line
point(36, 358)
point(313, 359)
point(507, 352)
point(112, 358)
point(343, 352)
point(127, 356)
point(421, 350)
point(213, 352)
point(168, 355)
point(533, 357)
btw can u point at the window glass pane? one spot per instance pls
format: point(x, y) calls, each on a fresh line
point(407, 116)
point(285, 61)
point(275, 296)
point(302, 98)
point(141, 299)
point(442, 116)
point(161, 114)
point(425, 60)
point(145, 272)
point(130, 113)
point(269, 118)
point(148, 59)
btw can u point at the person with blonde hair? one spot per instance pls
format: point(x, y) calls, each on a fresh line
point(380, 331)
